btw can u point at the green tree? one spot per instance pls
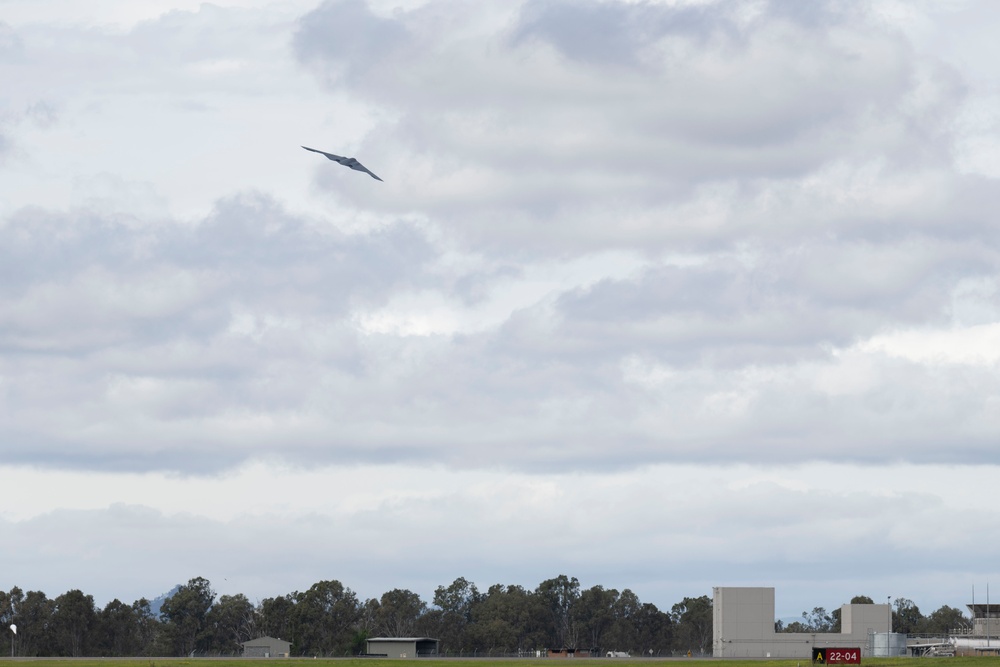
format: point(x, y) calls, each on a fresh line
point(117, 632)
point(654, 630)
point(398, 612)
point(449, 621)
point(623, 635)
point(368, 616)
point(943, 621)
point(818, 620)
point(231, 621)
point(593, 615)
point(148, 628)
point(73, 621)
point(184, 615)
point(559, 595)
point(33, 616)
point(796, 626)
point(276, 616)
point(324, 619)
point(365, 626)
point(906, 617)
point(458, 598)
point(494, 634)
point(507, 619)
point(692, 618)
point(6, 618)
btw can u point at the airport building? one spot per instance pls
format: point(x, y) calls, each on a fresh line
point(266, 647)
point(403, 647)
point(743, 627)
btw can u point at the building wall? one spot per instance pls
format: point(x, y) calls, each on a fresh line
point(403, 647)
point(393, 649)
point(981, 627)
point(266, 647)
point(743, 627)
point(865, 616)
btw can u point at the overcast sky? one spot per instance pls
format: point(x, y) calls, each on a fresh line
point(662, 295)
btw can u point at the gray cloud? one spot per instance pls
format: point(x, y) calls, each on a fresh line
point(620, 33)
point(774, 181)
point(513, 147)
point(792, 301)
point(248, 249)
point(607, 33)
point(679, 544)
point(198, 312)
point(11, 43)
point(684, 278)
point(193, 348)
point(346, 34)
point(10, 49)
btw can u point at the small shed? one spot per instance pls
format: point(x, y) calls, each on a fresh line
point(267, 647)
point(403, 647)
point(571, 653)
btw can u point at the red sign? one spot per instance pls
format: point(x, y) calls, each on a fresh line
point(837, 656)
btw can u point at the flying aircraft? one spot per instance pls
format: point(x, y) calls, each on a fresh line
point(346, 161)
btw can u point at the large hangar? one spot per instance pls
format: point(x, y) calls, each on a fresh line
point(267, 647)
point(403, 647)
point(743, 627)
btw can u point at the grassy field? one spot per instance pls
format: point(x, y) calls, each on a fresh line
point(978, 661)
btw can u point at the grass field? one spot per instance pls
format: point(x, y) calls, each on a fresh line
point(978, 661)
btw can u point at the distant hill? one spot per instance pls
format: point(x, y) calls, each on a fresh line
point(156, 603)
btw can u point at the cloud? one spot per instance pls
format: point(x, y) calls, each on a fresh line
point(348, 35)
point(11, 43)
point(258, 332)
point(680, 294)
point(533, 136)
point(688, 239)
point(605, 33)
point(795, 300)
point(166, 322)
point(575, 523)
point(10, 49)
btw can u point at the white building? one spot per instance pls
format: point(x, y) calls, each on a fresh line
point(743, 627)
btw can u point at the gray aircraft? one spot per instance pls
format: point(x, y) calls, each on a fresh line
point(346, 161)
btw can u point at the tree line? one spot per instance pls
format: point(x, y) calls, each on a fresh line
point(329, 619)
point(906, 619)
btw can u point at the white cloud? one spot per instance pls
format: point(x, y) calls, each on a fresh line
point(717, 104)
point(976, 346)
point(120, 14)
point(644, 251)
point(789, 517)
point(189, 103)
